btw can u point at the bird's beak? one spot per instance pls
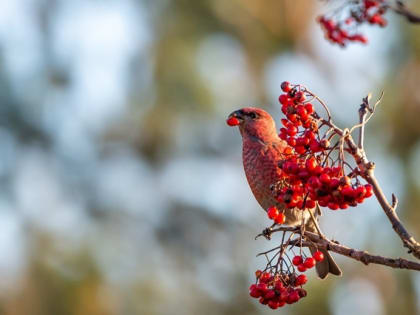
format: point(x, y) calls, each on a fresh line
point(236, 118)
point(237, 114)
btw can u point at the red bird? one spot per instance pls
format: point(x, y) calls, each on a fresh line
point(262, 150)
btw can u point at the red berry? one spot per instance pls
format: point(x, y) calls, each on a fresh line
point(333, 205)
point(280, 218)
point(302, 111)
point(272, 212)
point(314, 182)
point(262, 287)
point(292, 118)
point(283, 99)
point(300, 97)
point(302, 141)
point(314, 146)
point(291, 141)
point(285, 86)
point(303, 174)
point(265, 277)
point(233, 121)
point(325, 178)
point(301, 280)
point(360, 191)
point(269, 294)
point(273, 304)
point(255, 293)
point(348, 192)
point(292, 130)
point(318, 255)
point(311, 164)
point(263, 301)
point(293, 297)
point(302, 292)
point(283, 135)
point(297, 260)
point(309, 262)
point(301, 268)
point(369, 190)
point(334, 183)
point(310, 135)
point(300, 149)
point(309, 108)
point(310, 204)
point(344, 205)
point(278, 285)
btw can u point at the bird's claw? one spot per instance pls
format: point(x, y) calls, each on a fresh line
point(266, 233)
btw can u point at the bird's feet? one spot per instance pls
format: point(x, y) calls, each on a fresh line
point(266, 233)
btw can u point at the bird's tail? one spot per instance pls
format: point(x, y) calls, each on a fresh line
point(328, 265)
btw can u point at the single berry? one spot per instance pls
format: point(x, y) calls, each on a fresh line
point(309, 262)
point(292, 130)
point(309, 108)
point(293, 297)
point(301, 268)
point(262, 287)
point(273, 304)
point(301, 280)
point(297, 260)
point(333, 205)
point(280, 218)
point(254, 292)
point(269, 294)
point(283, 99)
point(285, 86)
point(325, 178)
point(272, 212)
point(233, 121)
point(311, 164)
point(310, 204)
point(369, 190)
point(318, 255)
point(265, 277)
point(302, 292)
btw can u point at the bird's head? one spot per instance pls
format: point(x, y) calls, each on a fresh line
point(253, 122)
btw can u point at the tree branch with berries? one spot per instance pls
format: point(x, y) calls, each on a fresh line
point(341, 25)
point(322, 166)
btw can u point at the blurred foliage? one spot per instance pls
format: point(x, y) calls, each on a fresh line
point(166, 256)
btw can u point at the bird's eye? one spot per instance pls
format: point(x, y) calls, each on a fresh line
point(252, 115)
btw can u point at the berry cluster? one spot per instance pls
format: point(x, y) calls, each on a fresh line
point(363, 11)
point(278, 289)
point(309, 175)
point(309, 262)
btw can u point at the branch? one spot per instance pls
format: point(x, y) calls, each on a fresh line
point(362, 256)
point(401, 9)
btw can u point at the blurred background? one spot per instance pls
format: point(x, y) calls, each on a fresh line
point(121, 187)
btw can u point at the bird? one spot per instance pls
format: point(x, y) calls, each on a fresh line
point(262, 149)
